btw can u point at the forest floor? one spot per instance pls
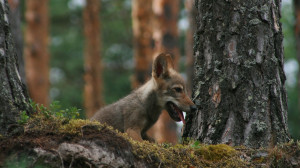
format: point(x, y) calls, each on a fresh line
point(57, 142)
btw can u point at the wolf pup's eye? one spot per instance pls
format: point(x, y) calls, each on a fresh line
point(178, 89)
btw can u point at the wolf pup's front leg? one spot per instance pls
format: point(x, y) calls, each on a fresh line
point(134, 133)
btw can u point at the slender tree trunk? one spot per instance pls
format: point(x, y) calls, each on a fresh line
point(15, 24)
point(165, 29)
point(92, 65)
point(297, 33)
point(165, 35)
point(239, 84)
point(36, 50)
point(142, 39)
point(189, 42)
point(13, 95)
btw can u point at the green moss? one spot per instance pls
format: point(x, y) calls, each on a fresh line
point(59, 125)
point(74, 126)
point(215, 152)
point(190, 154)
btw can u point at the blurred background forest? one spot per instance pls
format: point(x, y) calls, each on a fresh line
point(67, 42)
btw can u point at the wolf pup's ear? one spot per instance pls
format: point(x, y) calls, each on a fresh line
point(161, 65)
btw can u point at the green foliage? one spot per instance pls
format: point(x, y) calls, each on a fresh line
point(289, 42)
point(21, 162)
point(196, 145)
point(23, 118)
point(288, 23)
point(69, 113)
point(67, 51)
point(54, 110)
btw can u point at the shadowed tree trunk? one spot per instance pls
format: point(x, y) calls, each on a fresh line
point(13, 96)
point(15, 25)
point(93, 84)
point(297, 33)
point(239, 84)
point(165, 35)
point(189, 42)
point(36, 50)
point(142, 39)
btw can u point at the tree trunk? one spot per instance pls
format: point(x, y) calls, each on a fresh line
point(36, 50)
point(189, 41)
point(239, 83)
point(13, 96)
point(93, 84)
point(142, 39)
point(165, 35)
point(15, 25)
point(297, 34)
point(165, 29)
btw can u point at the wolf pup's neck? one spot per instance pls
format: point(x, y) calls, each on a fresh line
point(148, 96)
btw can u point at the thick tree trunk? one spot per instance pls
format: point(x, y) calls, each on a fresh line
point(165, 35)
point(189, 42)
point(93, 84)
point(13, 96)
point(142, 39)
point(239, 84)
point(297, 33)
point(15, 25)
point(36, 50)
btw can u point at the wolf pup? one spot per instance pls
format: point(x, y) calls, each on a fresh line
point(137, 112)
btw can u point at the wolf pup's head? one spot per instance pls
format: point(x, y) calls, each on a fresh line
point(171, 89)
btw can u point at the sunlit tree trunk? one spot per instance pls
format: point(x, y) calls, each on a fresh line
point(297, 33)
point(165, 28)
point(189, 42)
point(15, 25)
point(92, 65)
point(36, 50)
point(13, 95)
point(239, 83)
point(142, 39)
point(165, 36)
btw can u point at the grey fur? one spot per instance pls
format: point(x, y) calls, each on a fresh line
point(137, 112)
point(133, 111)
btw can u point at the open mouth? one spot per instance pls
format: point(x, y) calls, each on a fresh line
point(175, 113)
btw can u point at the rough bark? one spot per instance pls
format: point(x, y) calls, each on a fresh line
point(15, 25)
point(165, 36)
point(189, 43)
point(297, 34)
point(13, 95)
point(142, 39)
point(36, 50)
point(239, 83)
point(92, 65)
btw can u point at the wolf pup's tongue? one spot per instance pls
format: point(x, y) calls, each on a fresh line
point(181, 116)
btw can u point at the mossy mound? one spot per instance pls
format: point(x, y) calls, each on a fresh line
point(49, 132)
